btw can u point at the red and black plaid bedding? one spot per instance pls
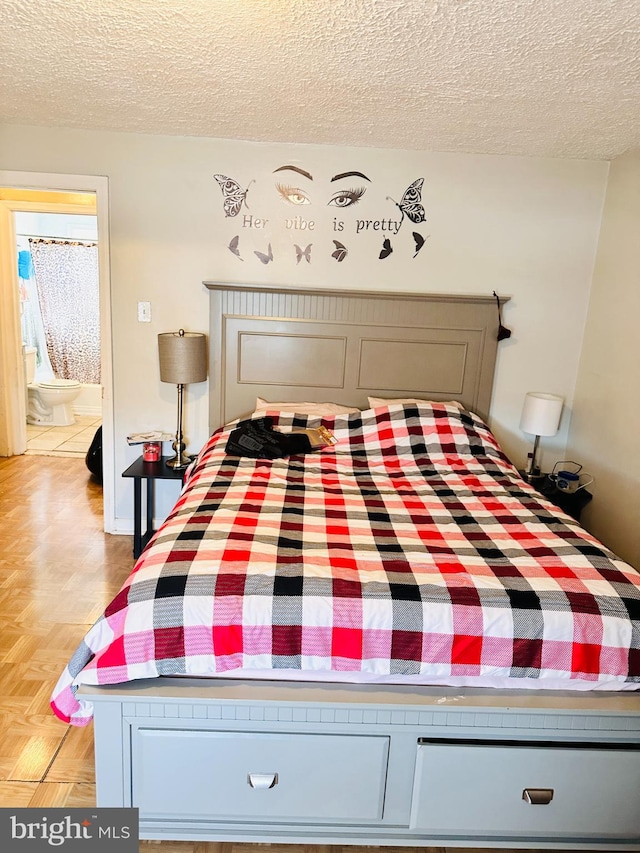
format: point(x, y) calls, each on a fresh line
point(412, 547)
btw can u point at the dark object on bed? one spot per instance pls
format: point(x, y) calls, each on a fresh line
point(94, 456)
point(257, 439)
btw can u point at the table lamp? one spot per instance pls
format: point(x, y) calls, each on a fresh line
point(183, 360)
point(540, 416)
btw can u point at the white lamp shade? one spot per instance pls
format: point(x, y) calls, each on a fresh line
point(183, 357)
point(541, 413)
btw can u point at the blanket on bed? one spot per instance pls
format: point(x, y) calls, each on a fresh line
point(411, 547)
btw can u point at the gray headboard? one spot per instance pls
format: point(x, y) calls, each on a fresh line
point(294, 344)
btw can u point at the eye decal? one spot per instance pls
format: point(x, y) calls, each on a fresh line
point(345, 198)
point(293, 195)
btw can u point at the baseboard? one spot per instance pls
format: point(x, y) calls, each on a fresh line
point(87, 411)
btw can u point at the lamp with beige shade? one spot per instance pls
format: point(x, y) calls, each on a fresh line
point(183, 360)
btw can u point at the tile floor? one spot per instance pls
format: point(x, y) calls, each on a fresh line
point(71, 440)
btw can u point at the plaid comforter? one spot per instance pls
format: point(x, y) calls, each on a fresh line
point(412, 547)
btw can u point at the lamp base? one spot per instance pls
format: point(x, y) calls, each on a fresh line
point(180, 459)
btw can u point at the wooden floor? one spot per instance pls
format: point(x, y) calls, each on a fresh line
point(58, 570)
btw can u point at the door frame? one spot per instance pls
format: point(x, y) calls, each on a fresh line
point(12, 381)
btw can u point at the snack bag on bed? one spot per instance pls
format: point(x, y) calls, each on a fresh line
point(320, 437)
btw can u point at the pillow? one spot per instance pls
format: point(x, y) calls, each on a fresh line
point(374, 402)
point(308, 408)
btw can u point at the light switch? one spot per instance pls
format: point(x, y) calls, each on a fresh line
point(144, 312)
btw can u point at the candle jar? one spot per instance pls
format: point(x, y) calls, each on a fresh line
point(151, 451)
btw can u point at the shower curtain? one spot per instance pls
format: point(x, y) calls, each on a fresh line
point(66, 275)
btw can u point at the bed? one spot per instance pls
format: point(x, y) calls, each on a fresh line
point(391, 641)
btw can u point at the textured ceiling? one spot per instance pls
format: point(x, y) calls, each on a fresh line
point(558, 78)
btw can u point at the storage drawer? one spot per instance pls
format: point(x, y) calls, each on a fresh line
point(478, 789)
point(262, 776)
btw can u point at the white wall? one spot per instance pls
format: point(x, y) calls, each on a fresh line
point(525, 227)
point(604, 426)
point(66, 226)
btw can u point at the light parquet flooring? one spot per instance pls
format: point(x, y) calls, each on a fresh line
point(58, 570)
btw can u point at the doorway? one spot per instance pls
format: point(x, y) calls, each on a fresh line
point(60, 194)
point(58, 282)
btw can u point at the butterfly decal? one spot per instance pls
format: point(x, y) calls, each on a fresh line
point(233, 246)
point(265, 258)
point(386, 249)
point(233, 194)
point(341, 251)
point(419, 239)
point(410, 204)
point(303, 253)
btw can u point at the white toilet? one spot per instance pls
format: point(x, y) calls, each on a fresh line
point(48, 402)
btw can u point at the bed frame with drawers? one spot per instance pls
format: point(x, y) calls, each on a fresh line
point(268, 761)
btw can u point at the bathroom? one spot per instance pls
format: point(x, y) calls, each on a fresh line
point(60, 324)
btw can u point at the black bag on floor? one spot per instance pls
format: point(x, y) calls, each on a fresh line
point(94, 455)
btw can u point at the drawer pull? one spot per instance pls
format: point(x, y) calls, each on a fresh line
point(537, 796)
point(262, 780)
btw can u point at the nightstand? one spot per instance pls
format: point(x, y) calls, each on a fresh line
point(571, 503)
point(149, 471)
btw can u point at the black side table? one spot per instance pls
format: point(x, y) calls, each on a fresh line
point(149, 471)
point(570, 502)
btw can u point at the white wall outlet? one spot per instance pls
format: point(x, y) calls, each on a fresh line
point(144, 312)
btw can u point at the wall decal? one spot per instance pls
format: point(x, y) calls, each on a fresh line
point(233, 194)
point(265, 258)
point(386, 249)
point(341, 251)
point(297, 169)
point(419, 242)
point(347, 197)
point(303, 253)
point(233, 246)
point(391, 225)
point(293, 194)
point(410, 203)
point(350, 175)
point(341, 198)
point(299, 223)
point(363, 212)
